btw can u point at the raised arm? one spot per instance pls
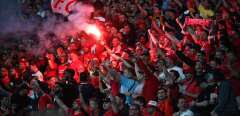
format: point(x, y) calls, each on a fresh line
point(61, 104)
point(138, 71)
point(143, 11)
point(114, 104)
point(83, 102)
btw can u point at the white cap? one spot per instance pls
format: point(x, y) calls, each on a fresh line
point(152, 103)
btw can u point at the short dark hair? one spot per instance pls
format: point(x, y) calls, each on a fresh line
point(141, 99)
point(137, 106)
point(122, 96)
point(84, 76)
point(175, 73)
point(163, 88)
point(218, 76)
point(71, 72)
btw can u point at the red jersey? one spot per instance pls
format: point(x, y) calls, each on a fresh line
point(61, 69)
point(156, 113)
point(115, 87)
point(44, 101)
point(110, 113)
point(166, 107)
point(71, 112)
point(95, 81)
point(151, 84)
point(193, 88)
point(78, 67)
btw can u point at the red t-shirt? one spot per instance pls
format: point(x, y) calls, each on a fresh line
point(78, 67)
point(166, 107)
point(156, 113)
point(50, 72)
point(225, 70)
point(115, 87)
point(151, 84)
point(110, 113)
point(71, 112)
point(44, 101)
point(94, 81)
point(192, 87)
point(61, 69)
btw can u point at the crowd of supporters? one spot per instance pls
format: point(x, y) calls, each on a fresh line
point(155, 58)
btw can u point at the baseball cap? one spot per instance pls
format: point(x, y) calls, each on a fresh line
point(152, 103)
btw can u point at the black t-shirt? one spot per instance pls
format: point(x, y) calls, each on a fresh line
point(88, 91)
point(21, 102)
point(204, 95)
point(124, 111)
point(69, 94)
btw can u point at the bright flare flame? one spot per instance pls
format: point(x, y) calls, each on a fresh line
point(93, 29)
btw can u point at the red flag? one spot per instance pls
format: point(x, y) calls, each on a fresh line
point(63, 6)
point(152, 38)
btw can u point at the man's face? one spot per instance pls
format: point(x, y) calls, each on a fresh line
point(139, 50)
point(151, 109)
point(133, 111)
point(213, 64)
point(161, 94)
point(34, 68)
point(120, 36)
point(115, 42)
point(153, 55)
point(118, 100)
point(127, 72)
point(22, 65)
point(60, 51)
point(93, 104)
point(127, 28)
point(169, 62)
point(219, 55)
point(199, 66)
point(113, 31)
point(156, 11)
point(106, 105)
point(114, 64)
point(182, 104)
point(23, 92)
point(200, 56)
point(122, 18)
point(142, 40)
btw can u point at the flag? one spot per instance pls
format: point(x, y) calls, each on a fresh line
point(63, 6)
point(152, 38)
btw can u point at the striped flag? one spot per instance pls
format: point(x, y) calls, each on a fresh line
point(63, 6)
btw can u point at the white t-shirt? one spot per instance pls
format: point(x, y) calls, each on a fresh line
point(187, 113)
point(39, 76)
point(176, 68)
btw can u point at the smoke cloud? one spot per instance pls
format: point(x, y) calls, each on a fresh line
point(46, 32)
